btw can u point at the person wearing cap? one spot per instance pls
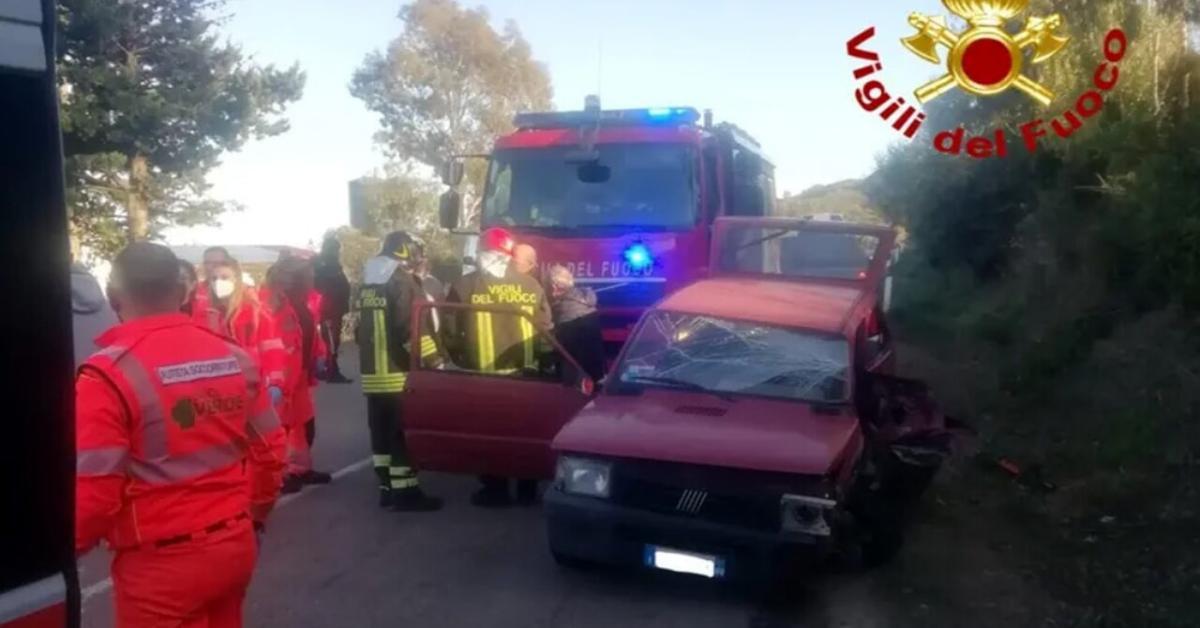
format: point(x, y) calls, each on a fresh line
point(496, 343)
point(385, 306)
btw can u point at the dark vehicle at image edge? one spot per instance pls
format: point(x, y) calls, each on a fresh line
point(751, 425)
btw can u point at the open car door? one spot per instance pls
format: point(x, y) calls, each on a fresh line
point(462, 418)
point(835, 252)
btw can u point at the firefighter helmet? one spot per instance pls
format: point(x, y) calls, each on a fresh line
point(497, 239)
point(401, 246)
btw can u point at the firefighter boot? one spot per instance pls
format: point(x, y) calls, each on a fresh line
point(527, 492)
point(414, 500)
point(291, 484)
point(315, 477)
point(494, 493)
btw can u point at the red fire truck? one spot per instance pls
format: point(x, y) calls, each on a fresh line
point(624, 198)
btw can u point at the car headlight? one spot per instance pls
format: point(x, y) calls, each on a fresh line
point(582, 476)
point(808, 515)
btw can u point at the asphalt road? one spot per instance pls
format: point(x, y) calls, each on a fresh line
point(331, 558)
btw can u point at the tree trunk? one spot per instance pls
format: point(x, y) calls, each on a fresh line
point(137, 208)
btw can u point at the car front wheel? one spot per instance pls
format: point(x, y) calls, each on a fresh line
point(571, 562)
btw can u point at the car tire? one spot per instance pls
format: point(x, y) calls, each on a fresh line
point(882, 544)
point(871, 538)
point(571, 562)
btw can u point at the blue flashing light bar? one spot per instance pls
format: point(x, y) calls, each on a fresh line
point(614, 117)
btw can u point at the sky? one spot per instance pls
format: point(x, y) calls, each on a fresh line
point(776, 68)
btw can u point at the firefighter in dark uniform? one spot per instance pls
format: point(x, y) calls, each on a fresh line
point(384, 303)
point(496, 343)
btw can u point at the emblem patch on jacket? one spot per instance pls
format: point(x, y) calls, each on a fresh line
point(204, 369)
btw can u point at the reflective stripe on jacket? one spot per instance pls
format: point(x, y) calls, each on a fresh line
point(385, 305)
point(497, 342)
point(254, 330)
point(173, 434)
point(288, 329)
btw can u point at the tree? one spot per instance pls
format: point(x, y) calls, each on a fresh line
point(151, 98)
point(402, 200)
point(449, 84)
point(844, 197)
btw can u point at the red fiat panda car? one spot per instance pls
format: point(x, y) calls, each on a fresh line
point(750, 415)
point(751, 420)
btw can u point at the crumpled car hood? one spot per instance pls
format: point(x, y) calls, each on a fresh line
point(756, 434)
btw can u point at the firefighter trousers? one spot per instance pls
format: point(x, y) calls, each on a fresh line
point(389, 455)
point(178, 586)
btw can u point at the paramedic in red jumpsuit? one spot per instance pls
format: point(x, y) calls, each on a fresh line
point(287, 297)
point(179, 454)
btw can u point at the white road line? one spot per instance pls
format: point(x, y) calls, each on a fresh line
point(106, 584)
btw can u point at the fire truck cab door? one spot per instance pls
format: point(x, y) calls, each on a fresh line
point(793, 248)
point(459, 417)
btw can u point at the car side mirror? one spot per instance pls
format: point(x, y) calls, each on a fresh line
point(449, 208)
point(452, 172)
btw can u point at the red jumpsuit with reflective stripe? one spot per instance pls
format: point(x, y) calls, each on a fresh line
point(177, 449)
point(300, 377)
point(252, 328)
point(255, 332)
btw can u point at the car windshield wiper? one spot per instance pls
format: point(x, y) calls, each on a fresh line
point(766, 238)
point(679, 383)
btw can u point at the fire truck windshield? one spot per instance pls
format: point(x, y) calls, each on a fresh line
point(647, 186)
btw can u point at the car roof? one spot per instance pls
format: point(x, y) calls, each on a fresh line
point(817, 306)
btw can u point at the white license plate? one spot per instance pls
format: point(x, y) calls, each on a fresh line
point(684, 562)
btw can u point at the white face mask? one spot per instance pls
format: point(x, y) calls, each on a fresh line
point(223, 288)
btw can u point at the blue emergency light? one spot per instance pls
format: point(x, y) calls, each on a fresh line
point(612, 117)
point(639, 257)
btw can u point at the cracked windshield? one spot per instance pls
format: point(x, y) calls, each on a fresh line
point(705, 353)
